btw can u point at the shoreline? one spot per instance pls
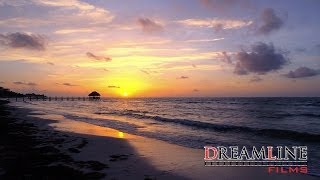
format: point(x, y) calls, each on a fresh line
point(120, 155)
point(26, 154)
point(74, 155)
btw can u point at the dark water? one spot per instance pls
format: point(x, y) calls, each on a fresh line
point(195, 122)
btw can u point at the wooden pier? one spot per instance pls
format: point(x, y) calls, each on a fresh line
point(56, 98)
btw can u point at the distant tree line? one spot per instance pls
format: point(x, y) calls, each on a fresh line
point(7, 93)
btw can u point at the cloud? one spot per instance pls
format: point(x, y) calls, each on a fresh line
point(68, 84)
point(203, 40)
point(226, 58)
point(224, 5)
point(261, 59)
point(302, 72)
point(2, 82)
point(317, 47)
point(255, 79)
point(269, 21)
point(239, 70)
point(149, 26)
point(300, 50)
point(195, 90)
point(183, 77)
point(145, 71)
point(70, 31)
point(99, 58)
point(113, 86)
point(217, 24)
point(60, 12)
point(23, 40)
point(11, 3)
point(26, 84)
point(146, 43)
point(148, 72)
point(50, 63)
point(18, 83)
point(23, 22)
point(31, 84)
point(80, 10)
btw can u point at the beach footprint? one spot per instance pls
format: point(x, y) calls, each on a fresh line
point(119, 157)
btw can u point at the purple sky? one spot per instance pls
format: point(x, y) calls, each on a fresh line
point(161, 48)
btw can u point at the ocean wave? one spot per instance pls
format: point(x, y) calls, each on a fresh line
point(278, 133)
point(310, 115)
point(275, 133)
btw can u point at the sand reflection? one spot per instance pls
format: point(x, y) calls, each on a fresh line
point(63, 124)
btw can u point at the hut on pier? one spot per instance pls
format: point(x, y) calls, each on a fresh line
point(94, 95)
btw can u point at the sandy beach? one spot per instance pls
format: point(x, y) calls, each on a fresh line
point(47, 149)
point(43, 146)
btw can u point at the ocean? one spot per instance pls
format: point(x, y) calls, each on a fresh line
point(196, 122)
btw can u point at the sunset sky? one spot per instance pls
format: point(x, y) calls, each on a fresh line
point(161, 48)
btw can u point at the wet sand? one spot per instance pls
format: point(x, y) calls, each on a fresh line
point(34, 148)
point(85, 151)
point(26, 153)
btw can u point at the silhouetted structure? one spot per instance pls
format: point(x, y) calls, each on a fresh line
point(94, 95)
point(6, 93)
point(35, 96)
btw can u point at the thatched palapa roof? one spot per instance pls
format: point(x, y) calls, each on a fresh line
point(94, 93)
